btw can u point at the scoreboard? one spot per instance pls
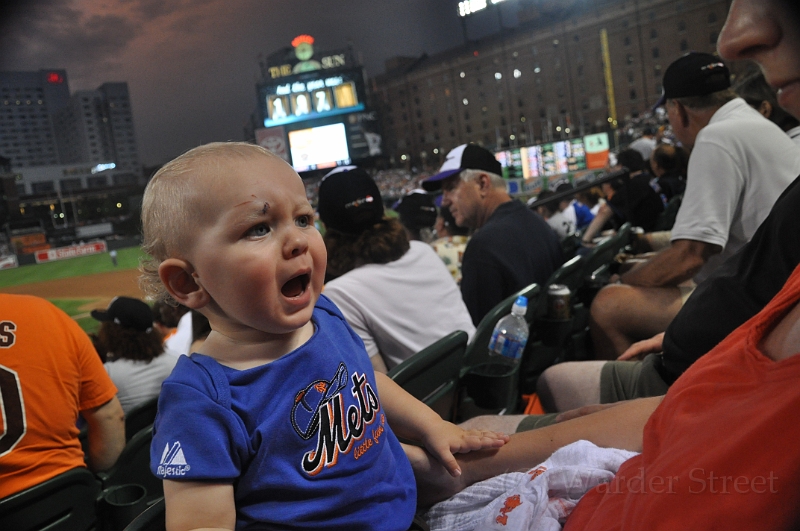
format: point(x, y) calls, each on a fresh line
point(555, 158)
point(314, 114)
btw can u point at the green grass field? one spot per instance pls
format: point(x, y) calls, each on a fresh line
point(72, 308)
point(72, 267)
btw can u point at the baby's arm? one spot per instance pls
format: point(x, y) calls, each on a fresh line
point(192, 505)
point(414, 421)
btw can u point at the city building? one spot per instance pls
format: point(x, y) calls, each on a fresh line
point(41, 124)
point(67, 161)
point(543, 80)
point(30, 100)
point(97, 127)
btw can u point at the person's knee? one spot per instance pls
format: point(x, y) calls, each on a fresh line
point(544, 389)
point(553, 384)
point(569, 385)
point(605, 307)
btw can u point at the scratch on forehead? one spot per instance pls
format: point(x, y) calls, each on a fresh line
point(264, 208)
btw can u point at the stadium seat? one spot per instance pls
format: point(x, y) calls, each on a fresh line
point(133, 466)
point(666, 219)
point(476, 395)
point(597, 263)
point(66, 502)
point(152, 519)
point(140, 417)
point(431, 375)
point(570, 274)
point(551, 340)
point(567, 340)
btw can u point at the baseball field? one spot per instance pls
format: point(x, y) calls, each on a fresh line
point(78, 285)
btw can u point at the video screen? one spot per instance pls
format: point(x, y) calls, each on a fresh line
point(319, 147)
point(555, 158)
point(312, 96)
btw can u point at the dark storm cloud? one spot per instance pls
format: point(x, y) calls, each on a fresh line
point(54, 36)
point(192, 65)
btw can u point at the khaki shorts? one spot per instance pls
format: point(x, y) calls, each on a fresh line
point(625, 380)
point(531, 422)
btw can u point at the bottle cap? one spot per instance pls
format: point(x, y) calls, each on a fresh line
point(520, 305)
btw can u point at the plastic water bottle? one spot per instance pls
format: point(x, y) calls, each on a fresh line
point(511, 334)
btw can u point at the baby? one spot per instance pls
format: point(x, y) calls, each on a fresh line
point(279, 419)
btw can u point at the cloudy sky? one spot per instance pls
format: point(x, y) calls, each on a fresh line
point(191, 65)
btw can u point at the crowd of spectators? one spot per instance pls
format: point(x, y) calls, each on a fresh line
point(710, 304)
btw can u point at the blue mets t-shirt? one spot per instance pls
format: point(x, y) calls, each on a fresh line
point(304, 439)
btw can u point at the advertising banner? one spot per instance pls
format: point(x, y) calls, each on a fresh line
point(61, 253)
point(7, 262)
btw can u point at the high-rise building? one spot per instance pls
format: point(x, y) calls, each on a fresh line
point(569, 68)
point(28, 103)
point(97, 127)
point(67, 161)
point(41, 124)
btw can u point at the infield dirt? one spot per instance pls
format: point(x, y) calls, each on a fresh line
point(100, 285)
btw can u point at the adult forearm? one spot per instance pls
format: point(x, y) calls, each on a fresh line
point(597, 224)
point(678, 263)
point(617, 427)
point(106, 434)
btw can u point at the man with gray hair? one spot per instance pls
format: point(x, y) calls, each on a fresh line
point(511, 246)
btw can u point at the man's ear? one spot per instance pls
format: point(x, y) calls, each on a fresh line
point(484, 182)
point(765, 109)
point(176, 275)
point(683, 113)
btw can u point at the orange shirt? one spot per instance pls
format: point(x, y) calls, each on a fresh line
point(721, 450)
point(49, 371)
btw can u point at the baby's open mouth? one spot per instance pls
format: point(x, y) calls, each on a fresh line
point(295, 286)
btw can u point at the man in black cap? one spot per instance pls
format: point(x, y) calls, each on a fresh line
point(739, 165)
point(511, 247)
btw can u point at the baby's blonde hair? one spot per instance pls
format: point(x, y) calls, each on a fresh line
point(169, 206)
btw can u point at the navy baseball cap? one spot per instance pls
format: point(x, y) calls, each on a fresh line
point(694, 74)
point(464, 157)
point(349, 200)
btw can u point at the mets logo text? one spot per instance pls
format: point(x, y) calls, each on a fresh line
point(319, 409)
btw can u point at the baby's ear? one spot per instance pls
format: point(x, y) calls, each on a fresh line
point(176, 275)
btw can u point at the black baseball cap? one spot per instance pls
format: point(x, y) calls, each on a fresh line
point(128, 313)
point(694, 74)
point(349, 200)
point(417, 209)
point(464, 157)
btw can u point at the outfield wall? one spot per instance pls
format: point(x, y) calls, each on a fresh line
point(111, 244)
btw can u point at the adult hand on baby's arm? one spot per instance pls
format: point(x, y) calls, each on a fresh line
point(448, 439)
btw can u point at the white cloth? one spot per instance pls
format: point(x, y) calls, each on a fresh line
point(794, 134)
point(137, 380)
point(644, 145)
point(401, 307)
point(740, 164)
point(539, 499)
point(181, 341)
point(559, 223)
point(569, 214)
